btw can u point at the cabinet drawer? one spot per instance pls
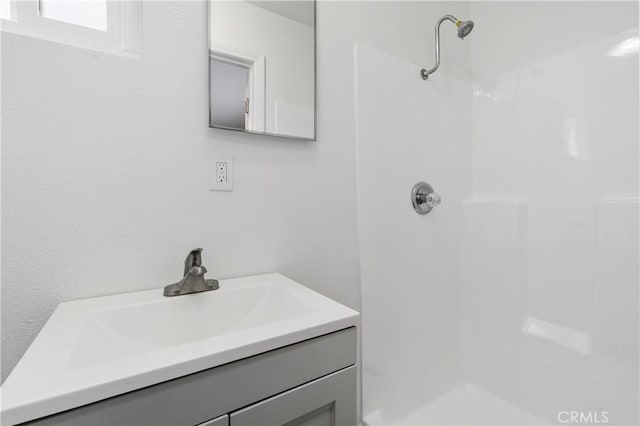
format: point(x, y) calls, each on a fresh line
point(328, 401)
point(202, 396)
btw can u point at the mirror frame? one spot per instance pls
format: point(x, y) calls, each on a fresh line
point(315, 82)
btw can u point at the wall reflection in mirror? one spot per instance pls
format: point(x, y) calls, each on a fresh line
point(262, 67)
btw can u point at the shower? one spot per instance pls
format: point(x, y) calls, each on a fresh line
point(464, 28)
point(514, 301)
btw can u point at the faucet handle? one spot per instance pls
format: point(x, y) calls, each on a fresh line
point(194, 258)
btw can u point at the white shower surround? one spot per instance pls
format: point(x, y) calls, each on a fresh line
point(519, 293)
point(398, 248)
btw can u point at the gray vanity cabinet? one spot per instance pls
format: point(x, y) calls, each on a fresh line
point(327, 401)
point(309, 383)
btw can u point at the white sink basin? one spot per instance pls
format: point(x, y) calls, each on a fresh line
point(96, 348)
point(179, 320)
point(123, 331)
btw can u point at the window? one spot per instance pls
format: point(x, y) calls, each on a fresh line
point(86, 13)
point(5, 9)
point(113, 26)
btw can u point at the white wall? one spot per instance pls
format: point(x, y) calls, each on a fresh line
point(104, 177)
point(287, 46)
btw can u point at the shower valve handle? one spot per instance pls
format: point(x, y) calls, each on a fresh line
point(432, 200)
point(424, 198)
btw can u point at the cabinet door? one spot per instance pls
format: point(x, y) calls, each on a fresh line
point(328, 401)
point(219, 421)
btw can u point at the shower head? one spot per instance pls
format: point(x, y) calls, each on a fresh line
point(464, 28)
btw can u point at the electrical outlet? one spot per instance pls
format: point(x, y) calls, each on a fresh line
point(221, 173)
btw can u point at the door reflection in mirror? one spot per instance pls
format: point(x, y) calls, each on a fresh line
point(262, 67)
point(230, 83)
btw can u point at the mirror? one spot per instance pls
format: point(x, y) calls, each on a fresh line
point(262, 67)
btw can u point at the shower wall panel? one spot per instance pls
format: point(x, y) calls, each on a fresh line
point(550, 257)
point(409, 130)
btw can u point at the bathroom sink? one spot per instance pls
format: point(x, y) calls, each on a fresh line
point(170, 322)
point(108, 334)
point(93, 349)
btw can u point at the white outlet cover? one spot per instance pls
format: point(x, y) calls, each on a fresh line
point(214, 161)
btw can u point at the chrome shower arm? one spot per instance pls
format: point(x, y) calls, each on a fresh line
point(424, 72)
point(464, 28)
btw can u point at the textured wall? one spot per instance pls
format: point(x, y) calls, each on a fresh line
point(104, 177)
point(105, 180)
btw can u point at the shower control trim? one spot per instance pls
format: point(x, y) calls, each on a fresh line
point(424, 198)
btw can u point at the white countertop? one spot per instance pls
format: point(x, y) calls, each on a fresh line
point(96, 348)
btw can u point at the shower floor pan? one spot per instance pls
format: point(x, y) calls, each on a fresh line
point(463, 405)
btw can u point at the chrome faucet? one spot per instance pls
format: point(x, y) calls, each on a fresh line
point(193, 280)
